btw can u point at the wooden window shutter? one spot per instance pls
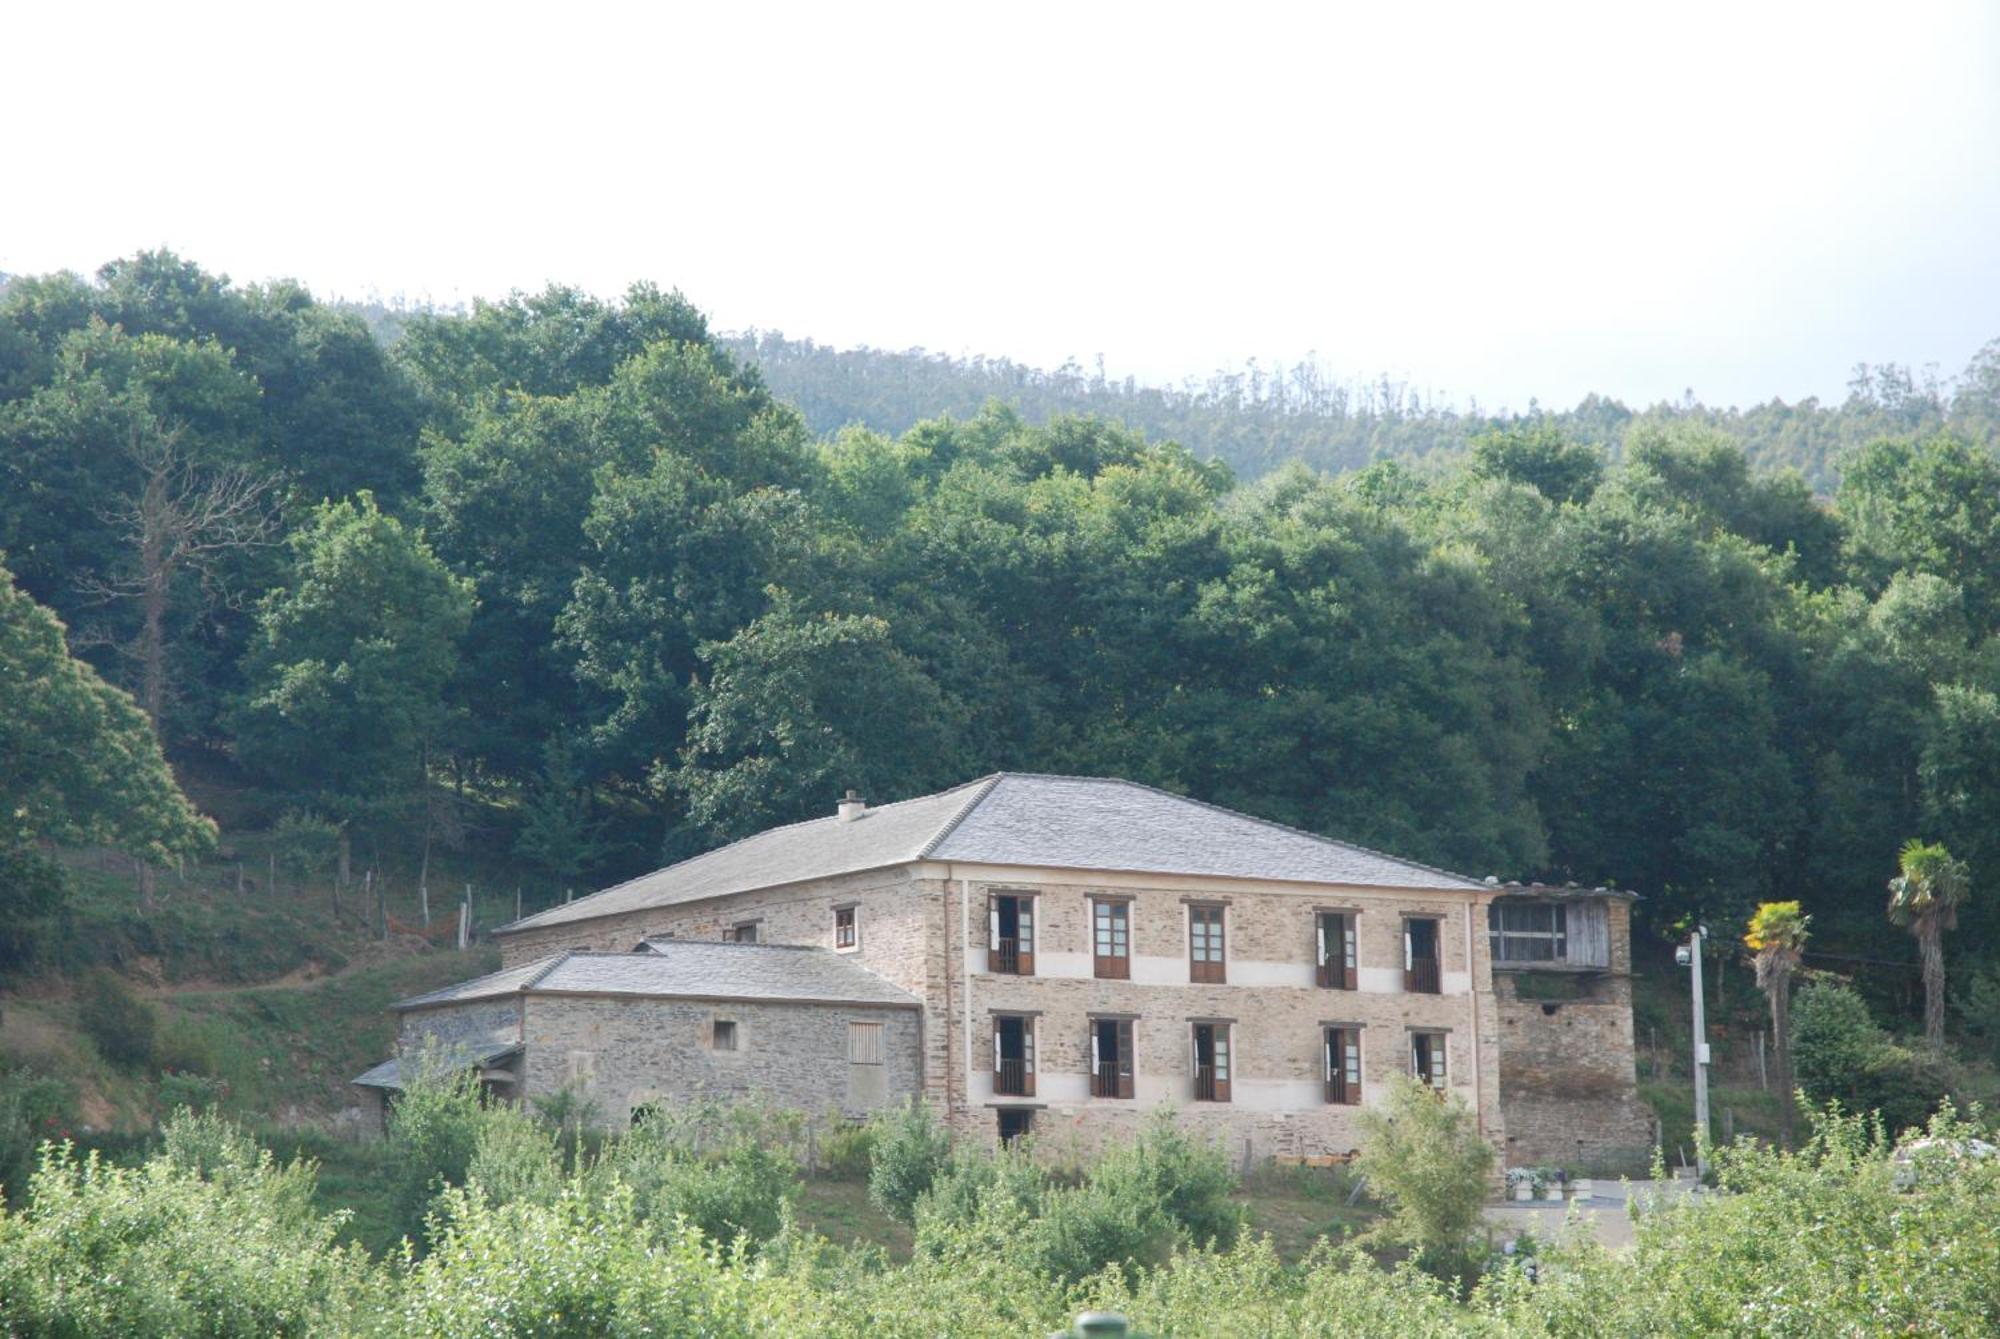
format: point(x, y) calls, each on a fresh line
point(1024, 912)
point(1027, 1057)
point(1125, 1059)
point(1222, 1066)
point(1350, 970)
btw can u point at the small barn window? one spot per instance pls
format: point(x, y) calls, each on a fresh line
point(743, 932)
point(845, 932)
point(725, 1034)
point(864, 1044)
point(1528, 931)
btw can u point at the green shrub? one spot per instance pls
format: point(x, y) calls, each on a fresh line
point(160, 1250)
point(1839, 1054)
point(434, 1128)
point(911, 1148)
point(738, 1189)
point(1426, 1160)
point(846, 1152)
point(33, 1107)
point(119, 1023)
point(189, 1047)
point(1832, 1034)
point(194, 1092)
point(515, 1157)
point(585, 1265)
point(1188, 1179)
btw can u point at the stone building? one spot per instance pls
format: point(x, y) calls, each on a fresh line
point(1062, 954)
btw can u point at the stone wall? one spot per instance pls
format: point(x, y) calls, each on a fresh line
point(475, 1020)
point(623, 1053)
point(1276, 1012)
point(1568, 1076)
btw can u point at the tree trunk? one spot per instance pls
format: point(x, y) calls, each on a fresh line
point(1930, 944)
point(1781, 1045)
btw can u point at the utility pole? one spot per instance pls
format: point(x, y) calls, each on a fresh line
point(1693, 958)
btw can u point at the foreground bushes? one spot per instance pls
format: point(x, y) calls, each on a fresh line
point(213, 1237)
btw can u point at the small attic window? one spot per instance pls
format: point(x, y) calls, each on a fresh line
point(725, 1034)
point(846, 934)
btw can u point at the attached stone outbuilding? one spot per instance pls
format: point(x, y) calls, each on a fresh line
point(673, 1021)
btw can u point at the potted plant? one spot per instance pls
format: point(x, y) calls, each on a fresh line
point(1521, 1183)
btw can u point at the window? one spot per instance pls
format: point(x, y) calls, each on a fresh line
point(1111, 938)
point(1427, 1052)
point(1211, 1062)
point(1528, 931)
point(864, 1044)
point(1011, 934)
point(1337, 968)
point(725, 1034)
point(645, 1113)
point(1343, 1066)
point(1420, 955)
point(1111, 1057)
point(1013, 1055)
point(1015, 1123)
point(844, 935)
point(1205, 943)
point(743, 932)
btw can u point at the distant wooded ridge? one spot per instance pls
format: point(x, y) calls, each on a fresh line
point(1261, 416)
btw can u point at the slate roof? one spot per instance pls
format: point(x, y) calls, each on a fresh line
point(686, 969)
point(1560, 892)
point(389, 1074)
point(1016, 818)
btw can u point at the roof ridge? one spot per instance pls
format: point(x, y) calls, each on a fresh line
point(699, 943)
point(985, 785)
point(553, 963)
point(730, 846)
point(1253, 818)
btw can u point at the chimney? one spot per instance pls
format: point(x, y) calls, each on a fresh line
point(852, 806)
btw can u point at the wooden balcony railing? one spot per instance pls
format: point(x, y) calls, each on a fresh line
point(1110, 1080)
point(1208, 1087)
point(1337, 1091)
point(1422, 977)
point(1008, 957)
point(1012, 1079)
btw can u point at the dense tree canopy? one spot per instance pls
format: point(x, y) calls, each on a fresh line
point(578, 557)
point(79, 763)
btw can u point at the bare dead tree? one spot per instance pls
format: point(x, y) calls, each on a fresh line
point(183, 518)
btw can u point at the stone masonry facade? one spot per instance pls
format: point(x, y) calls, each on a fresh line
point(1548, 1084)
point(625, 1054)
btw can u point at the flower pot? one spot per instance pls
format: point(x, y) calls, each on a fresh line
point(1524, 1193)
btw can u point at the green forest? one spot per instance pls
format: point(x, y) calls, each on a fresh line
point(566, 578)
point(551, 591)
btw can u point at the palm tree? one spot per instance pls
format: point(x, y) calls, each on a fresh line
point(1925, 898)
point(1778, 937)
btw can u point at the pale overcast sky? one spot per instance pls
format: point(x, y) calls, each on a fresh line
point(1493, 200)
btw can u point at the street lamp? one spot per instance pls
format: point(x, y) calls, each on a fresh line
point(1688, 955)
